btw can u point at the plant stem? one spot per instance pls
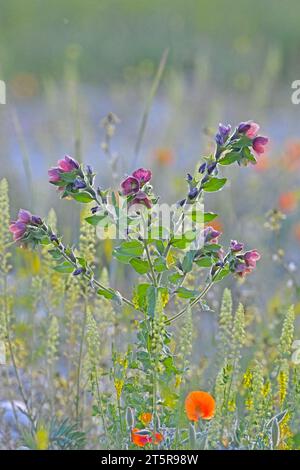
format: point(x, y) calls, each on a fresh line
point(12, 355)
point(195, 301)
point(80, 363)
point(150, 264)
point(88, 274)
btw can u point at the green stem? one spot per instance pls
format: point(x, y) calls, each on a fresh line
point(150, 264)
point(195, 301)
point(88, 274)
point(12, 355)
point(80, 363)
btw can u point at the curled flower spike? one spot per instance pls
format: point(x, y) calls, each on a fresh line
point(198, 405)
point(259, 144)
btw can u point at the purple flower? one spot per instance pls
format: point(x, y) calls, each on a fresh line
point(189, 177)
point(35, 220)
point(78, 271)
point(141, 198)
point(236, 246)
point(249, 128)
point(202, 168)
point(211, 167)
point(223, 134)
point(68, 164)
point(241, 269)
point(89, 170)
point(219, 139)
point(142, 175)
point(95, 209)
point(18, 229)
point(54, 175)
point(246, 263)
point(259, 144)
point(79, 184)
point(130, 186)
point(193, 193)
point(251, 258)
point(24, 216)
point(211, 235)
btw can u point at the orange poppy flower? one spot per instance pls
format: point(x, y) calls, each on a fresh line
point(140, 440)
point(145, 418)
point(164, 156)
point(199, 405)
point(287, 201)
point(143, 437)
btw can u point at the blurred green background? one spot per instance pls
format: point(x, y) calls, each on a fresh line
point(112, 35)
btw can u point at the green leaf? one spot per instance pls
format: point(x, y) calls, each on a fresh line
point(110, 295)
point(208, 247)
point(133, 248)
point(205, 262)
point(222, 273)
point(230, 158)
point(95, 219)
point(185, 293)
point(160, 265)
point(151, 300)
point(187, 263)
point(140, 296)
point(65, 267)
point(209, 216)
point(55, 254)
point(175, 277)
point(83, 197)
point(68, 176)
point(214, 184)
point(275, 433)
point(183, 241)
point(128, 250)
point(139, 265)
point(82, 262)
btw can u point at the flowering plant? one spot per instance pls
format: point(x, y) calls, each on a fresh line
point(164, 257)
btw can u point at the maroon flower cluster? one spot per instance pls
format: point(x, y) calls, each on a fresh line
point(19, 227)
point(250, 129)
point(66, 167)
point(133, 185)
point(246, 262)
